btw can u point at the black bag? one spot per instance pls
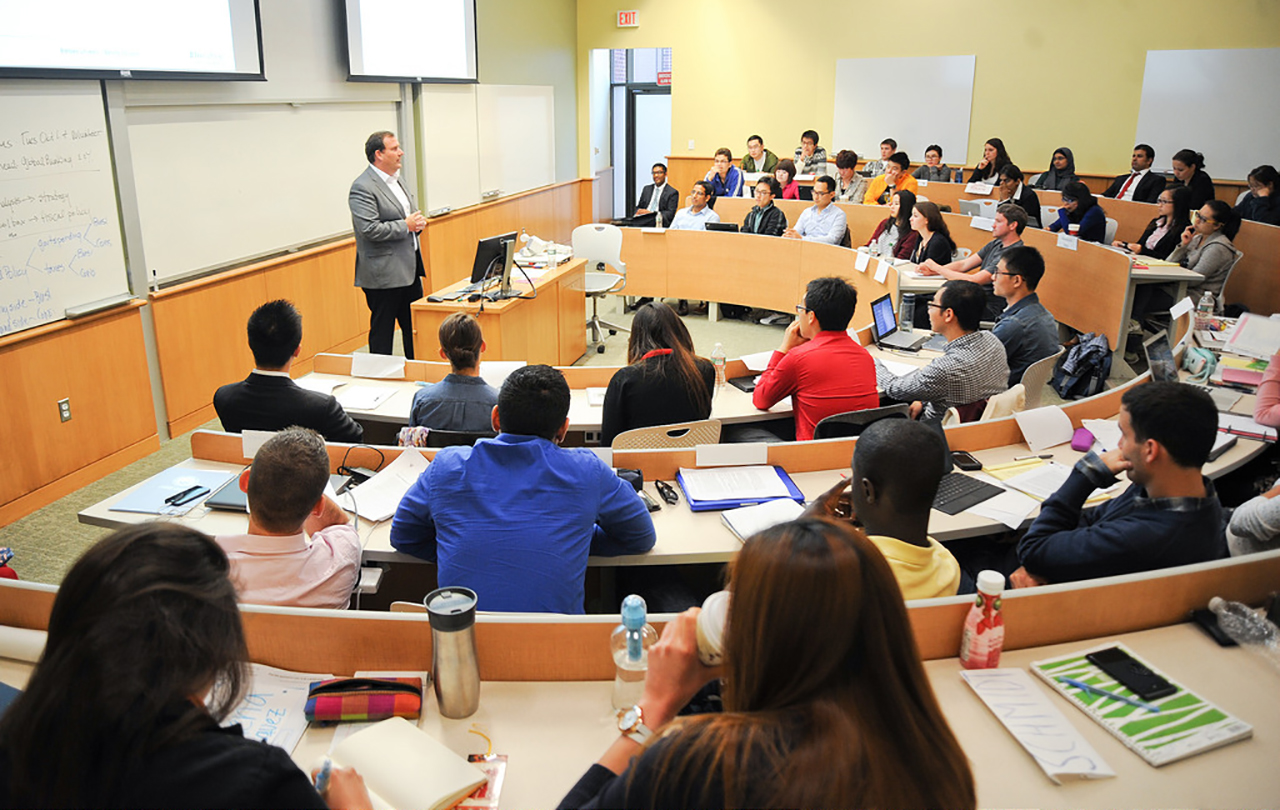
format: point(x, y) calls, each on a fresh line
point(1083, 370)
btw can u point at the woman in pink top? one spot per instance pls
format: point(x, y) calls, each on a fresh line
point(786, 174)
point(1267, 410)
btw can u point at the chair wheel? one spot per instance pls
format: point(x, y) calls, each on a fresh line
point(612, 332)
point(600, 349)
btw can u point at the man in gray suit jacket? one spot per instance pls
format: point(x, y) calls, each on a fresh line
point(388, 256)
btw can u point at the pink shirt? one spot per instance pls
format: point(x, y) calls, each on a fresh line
point(295, 571)
point(1266, 411)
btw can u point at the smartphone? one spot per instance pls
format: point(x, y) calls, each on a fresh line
point(965, 461)
point(649, 503)
point(1133, 674)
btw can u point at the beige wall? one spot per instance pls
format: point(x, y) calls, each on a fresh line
point(722, 91)
point(535, 42)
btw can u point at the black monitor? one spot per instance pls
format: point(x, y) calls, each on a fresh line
point(491, 253)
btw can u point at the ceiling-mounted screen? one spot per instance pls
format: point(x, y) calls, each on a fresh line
point(411, 40)
point(131, 39)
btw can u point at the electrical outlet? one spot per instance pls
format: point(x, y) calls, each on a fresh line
point(64, 409)
point(691, 144)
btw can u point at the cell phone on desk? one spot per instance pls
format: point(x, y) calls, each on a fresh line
point(965, 461)
point(1133, 674)
point(649, 503)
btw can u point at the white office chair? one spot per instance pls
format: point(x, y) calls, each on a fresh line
point(1112, 227)
point(1036, 377)
point(601, 245)
point(961, 253)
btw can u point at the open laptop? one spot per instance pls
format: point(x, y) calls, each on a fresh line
point(1164, 368)
point(884, 327)
point(971, 208)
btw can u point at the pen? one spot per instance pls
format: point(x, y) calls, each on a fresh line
point(322, 778)
point(1038, 455)
point(180, 497)
point(1091, 688)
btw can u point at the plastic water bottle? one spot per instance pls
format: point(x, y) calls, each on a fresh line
point(718, 360)
point(1248, 629)
point(907, 312)
point(630, 644)
point(983, 637)
point(959, 174)
point(1204, 311)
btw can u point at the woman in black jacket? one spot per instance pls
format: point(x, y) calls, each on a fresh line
point(1164, 232)
point(1188, 168)
point(994, 158)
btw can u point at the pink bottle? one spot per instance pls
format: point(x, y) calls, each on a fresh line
point(984, 626)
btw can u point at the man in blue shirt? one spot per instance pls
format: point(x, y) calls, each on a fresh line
point(822, 221)
point(725, 179)
point(514, 518)
point(462, 400)
point(1027, 330)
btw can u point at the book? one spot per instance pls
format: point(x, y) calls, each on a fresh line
point(1186, 724)
point(404, 768)
point(746, 521)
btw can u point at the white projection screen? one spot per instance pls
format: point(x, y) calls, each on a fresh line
point(131, 39)
point(1215, 102)
point(411, 40)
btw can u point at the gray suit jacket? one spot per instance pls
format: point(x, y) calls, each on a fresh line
point(385, 247)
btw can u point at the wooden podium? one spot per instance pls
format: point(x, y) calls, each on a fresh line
point(549, 328)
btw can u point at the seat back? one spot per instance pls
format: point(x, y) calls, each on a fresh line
point(662, 437)
point(1222, 296)
point(1112, 227)
point(852, 423)
point(971, 208)
point(1036, 377)
point(601, 245)
point(1005, 403)
point(455, 438)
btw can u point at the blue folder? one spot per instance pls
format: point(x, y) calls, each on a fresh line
point(793, 492)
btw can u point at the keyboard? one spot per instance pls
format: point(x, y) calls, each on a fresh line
point(957, 492)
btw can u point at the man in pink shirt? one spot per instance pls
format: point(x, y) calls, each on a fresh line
point(301, 549)
point(819, 365)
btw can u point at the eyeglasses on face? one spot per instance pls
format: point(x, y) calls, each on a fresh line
point(1202, 218)
point(801, 309)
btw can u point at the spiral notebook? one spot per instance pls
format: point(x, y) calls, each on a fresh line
point(1186, 724)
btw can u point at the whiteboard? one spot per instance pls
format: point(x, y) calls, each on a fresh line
point(60, 243)
point(868, 105)
point(1215, 102)
point(218, 184)
point(450, 146)
point(517, 127)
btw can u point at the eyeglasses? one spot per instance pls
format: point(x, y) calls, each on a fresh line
point(935, 305)
point(1202, 218)
point(1003, 273)
point(1163, 201)
point(801, 309)
point(818, 192)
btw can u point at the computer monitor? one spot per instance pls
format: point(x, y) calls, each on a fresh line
point(494, 257)
point(884, 320)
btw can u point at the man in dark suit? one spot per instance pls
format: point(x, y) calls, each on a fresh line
point(1141, 184)
point(668, 199)
point(268, 399)
point(388, 256)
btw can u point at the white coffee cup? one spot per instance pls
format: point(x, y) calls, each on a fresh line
point(711, 624)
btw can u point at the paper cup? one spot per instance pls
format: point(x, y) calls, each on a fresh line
point(711, 624)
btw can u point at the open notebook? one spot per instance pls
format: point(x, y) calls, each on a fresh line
point(405, 768)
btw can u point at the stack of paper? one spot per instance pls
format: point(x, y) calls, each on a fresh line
point(746, 521)
point(377, 498)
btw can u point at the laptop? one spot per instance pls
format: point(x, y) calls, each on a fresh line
point(230, 498)
point(884, 327)
point(1164, 368)
point(727, 227)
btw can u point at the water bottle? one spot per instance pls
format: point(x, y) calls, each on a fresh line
point(630, 644)
point(1204, 311)
point(907, 312)
point(718, 360)
point(1248, 629)
point(452, 613)
point(983, 637)
point(959, 174)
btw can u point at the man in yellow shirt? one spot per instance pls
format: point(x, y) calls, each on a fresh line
point(895, 178)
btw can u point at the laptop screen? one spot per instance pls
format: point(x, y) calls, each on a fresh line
point(884, 319)
point(1160, 358)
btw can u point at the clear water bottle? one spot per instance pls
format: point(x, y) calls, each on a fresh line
point(630, 645)
point(983, 637)
point(907, 312)
point(1204, 310)
point(718, 360)
point(1248, 629)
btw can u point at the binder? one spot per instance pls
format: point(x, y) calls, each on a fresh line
point(793, 492)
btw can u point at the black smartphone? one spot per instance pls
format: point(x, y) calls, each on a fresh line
point(649, 503)
point(965, 461)
point(1133, 674)
point(1207, 621)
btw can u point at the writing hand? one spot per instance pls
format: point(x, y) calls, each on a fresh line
point(346, 790)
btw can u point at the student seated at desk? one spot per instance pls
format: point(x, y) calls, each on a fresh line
point(757, 158)
point(971, 370)
point(301, 549)
point(891, 500)
point(933, 170)
point(822, 221)
point(764, 217)
point(462, 400)
point(1164, 231)
point(850, 186)
point(144, 629)
point(514, 518)
point(268, 399)
point(1255, 525)
point(819, 365)
point(875, 168)
point(826, 703)
point(934, 236)
point(1062, 170)
point(994, 158)
point(1012, 190)
point(1080, 208)
point(1261, 203)
point(894, 179)
point(894, 235)
point(1168, 516)
point(724, 177)
point(1027, 330)
point(665, 382)
point(1188, 170)
point(980, 267)
point(809, 157)
point(785, 172)
point(699, 212)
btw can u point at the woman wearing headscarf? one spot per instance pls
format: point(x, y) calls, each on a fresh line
point(1062, 170)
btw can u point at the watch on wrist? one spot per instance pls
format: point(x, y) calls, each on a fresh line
point(631, 724)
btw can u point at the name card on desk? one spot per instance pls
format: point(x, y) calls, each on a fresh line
point(732, 455)
point(882, 269)
point(1181, 308)
point(1068, 242)
point(861, 260)
point(978, 187)
point(251, 441)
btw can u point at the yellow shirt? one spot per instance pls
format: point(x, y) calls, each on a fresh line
point(879, 184)
point(922, 573)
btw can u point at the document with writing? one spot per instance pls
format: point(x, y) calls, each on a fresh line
point(363, 397)
point(733, 483)
point(377, 498)
point(274, 706)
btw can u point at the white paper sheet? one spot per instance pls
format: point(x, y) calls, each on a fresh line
point(1044, 427)
point(251, 441)
point(978, 187)
point(320, 385)
point(363, 397)
point(733, 483)
point(983, 223)
point(595, 397)
point(860, 261)
point(274, 707)
point(1255, 336)
point(1181, 308)
point(1009, 508)
point(732, 455)
point(897, 369)
point(1242, 423)
point(377, 498)
point(495, 372)
point(882, 270)
point(1039, 727)
point(746, 521)
point(377, 366)
point(1067, 242)
point(1040, 482)
point(1106, 433)
point(758, 361)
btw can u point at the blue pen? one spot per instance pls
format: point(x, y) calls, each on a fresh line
point(1088, 687)
point(322, 778)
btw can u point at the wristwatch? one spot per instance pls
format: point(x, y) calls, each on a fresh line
point(631, 723)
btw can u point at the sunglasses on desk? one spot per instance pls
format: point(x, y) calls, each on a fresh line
point(667, 492)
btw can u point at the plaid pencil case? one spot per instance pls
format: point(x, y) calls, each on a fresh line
point(364, 699)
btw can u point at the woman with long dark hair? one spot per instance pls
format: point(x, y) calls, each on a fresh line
point(812, 717)
point(664, 382)
point(1079, 207)
point(935, 237)
point(145, 658)
point(894, 234)
point(1261, 203)
point(1206, 248)
point(1165, 230)
point(994, 158)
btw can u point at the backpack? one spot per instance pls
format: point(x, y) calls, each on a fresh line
point(1083, 370)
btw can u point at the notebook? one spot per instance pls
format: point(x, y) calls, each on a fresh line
point(404, 768)
point(1186, 724)
point(746, 521)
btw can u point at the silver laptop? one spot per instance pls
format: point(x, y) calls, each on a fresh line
point(884, 327)
point(1164, 368)
point(971, 208)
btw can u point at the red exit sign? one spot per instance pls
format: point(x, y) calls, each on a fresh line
point(628, 19)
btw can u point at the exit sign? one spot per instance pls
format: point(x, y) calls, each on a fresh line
point(628, 19)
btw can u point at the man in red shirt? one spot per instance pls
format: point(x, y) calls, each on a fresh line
point(819, 365)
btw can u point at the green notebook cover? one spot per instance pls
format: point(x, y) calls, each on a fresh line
point(1186, 724)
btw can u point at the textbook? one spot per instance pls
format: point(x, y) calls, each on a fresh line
point(1186, 724)
point(404, 768)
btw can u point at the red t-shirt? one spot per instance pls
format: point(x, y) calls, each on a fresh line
point(829, 374)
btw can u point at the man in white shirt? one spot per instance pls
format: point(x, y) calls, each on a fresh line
point(301, 549)
point(696, 216)
point(1140, 185)
point(822, 221)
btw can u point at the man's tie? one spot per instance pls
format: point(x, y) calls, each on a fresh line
point(1125, 187)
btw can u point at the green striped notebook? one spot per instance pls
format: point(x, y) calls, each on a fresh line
point(1186, 724)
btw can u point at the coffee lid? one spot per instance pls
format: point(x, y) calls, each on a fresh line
point(451, 609)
